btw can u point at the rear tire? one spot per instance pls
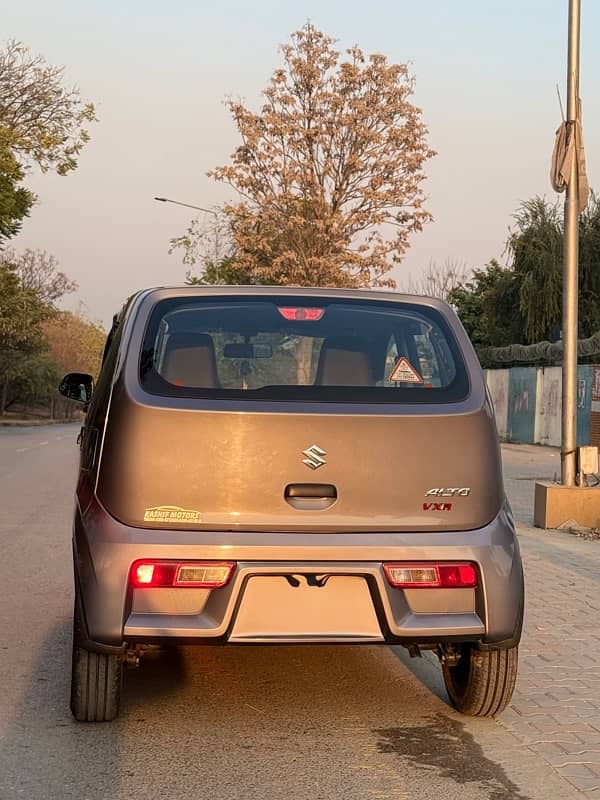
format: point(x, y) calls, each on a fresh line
point(483, 681)
point(96, 680)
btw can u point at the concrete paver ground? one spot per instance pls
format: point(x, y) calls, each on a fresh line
point(556, 706)
point(555, 711)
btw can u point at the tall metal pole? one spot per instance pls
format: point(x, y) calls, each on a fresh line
point(570, 267)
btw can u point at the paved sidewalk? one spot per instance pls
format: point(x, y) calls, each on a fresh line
point(556, 707)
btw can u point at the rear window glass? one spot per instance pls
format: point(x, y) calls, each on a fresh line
point(294, 348)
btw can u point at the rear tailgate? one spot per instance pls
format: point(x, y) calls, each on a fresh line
point(231, 470)
point(320, 411)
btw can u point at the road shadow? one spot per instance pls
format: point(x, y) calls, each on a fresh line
point(243, 721)
point(426, 670)
point(46, 755)
point(160, 676)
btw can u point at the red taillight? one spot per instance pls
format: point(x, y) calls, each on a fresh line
point(190, 574)
point(409, 575)
point(302, 314)
point(144, 575)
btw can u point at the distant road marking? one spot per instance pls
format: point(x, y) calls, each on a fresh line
point(41, 444)
point(25, 449)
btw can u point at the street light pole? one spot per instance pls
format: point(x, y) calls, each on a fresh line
point(187, 205)
point(571, 265)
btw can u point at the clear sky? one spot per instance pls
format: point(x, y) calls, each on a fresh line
point(159, 71)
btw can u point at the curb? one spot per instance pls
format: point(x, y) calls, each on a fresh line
point(34, 423)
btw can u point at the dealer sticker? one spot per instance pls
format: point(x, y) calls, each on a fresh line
point(171, 514)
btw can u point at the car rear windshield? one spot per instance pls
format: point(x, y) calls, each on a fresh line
point(301, 349)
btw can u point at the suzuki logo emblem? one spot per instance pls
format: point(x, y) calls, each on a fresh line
point(314, 457)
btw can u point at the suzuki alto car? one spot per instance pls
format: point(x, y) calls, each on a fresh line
point(274, 465)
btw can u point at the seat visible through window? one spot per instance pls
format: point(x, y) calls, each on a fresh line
point(189, 360)
point(344, 361)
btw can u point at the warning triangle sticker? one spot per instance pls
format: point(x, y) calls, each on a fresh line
point(404, 372)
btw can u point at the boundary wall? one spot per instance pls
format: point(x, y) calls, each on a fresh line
point(528, 400)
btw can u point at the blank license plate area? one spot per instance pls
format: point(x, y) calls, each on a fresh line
point(339, 609)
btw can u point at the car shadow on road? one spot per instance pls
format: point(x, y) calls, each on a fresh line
point(160, 676)
point(427, 670)
point(225, 713)
point(275, 700)
point(45, 754)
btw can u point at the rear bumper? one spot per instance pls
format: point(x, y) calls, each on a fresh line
point(260, 604)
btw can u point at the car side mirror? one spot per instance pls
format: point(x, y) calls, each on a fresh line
point(77, 386)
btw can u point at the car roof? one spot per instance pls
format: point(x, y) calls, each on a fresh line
point(291, 291)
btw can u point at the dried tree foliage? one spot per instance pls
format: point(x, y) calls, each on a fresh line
point(74, 342)
point(330, 170)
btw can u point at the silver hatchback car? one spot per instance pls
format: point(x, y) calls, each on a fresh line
point(275, 465)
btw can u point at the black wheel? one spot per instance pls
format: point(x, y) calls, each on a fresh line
point(96, 680)
point(482, 682)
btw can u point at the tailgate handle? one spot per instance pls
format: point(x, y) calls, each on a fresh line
point(310, 496)
point(314, 490)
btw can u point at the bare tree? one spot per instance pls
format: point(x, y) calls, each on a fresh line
point(38, 270)
point(439, 280)
point(207, 242)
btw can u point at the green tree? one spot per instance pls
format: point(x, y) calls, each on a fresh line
point(15, 200)
point(47, 122)
point(522, 304)
point(488, 306)
point(30, 284)
point(35, 380)
point(41, 122)
point(535, 246)
point(224, 272)
point(209, 250)
point(589, 267)
point(21, 336)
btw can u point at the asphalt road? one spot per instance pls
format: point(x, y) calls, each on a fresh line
point(240, 722)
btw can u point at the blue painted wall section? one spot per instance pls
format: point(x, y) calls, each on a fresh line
point(521, 404)
point(584, 404)
point(528, 401)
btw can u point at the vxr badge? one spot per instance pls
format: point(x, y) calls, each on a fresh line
point(314, 457)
